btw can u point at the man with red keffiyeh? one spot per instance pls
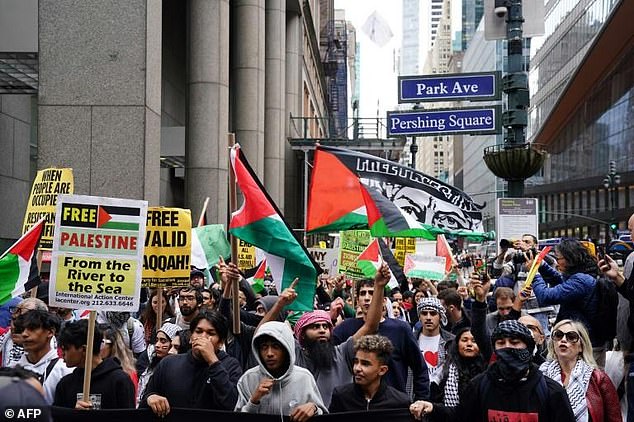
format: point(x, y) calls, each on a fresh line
point(330, 365)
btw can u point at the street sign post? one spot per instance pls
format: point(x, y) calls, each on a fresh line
point(468, 120)
point(482, 86)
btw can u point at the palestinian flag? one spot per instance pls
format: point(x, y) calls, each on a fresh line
point(257, 281)
point(18, 269)
point(260, 223)
point(208, 244)
point(387, 220)
point(117, 218)
point(373, 256)
point(443, 249)
point(335, 200)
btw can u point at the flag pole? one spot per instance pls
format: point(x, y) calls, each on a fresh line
point(39, 271)
point(203, 213)
point(88, 363)
point(159, 314)
point(233, 205)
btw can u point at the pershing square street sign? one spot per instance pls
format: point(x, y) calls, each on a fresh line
point(471, 121)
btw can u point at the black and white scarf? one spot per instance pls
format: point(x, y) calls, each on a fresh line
point(577, 385)
point(452, 397)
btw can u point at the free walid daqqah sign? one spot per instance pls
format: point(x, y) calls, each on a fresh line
point(166, 260)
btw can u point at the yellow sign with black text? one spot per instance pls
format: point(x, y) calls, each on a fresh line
point(97, 253)
point(47, 185)
point(168, 244)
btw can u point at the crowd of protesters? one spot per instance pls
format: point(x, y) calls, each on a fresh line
point(482, 345)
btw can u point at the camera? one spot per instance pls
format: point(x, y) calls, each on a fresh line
point(500, 11)
point(501, 8)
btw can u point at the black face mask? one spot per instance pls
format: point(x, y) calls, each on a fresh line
point(512, 364)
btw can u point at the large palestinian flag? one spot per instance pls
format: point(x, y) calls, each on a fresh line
point(260, 223)
point(18, 271)
point(337, 201)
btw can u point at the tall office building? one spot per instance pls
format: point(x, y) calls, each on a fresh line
point(420, 20)
point(138, 98)
point(582, 85)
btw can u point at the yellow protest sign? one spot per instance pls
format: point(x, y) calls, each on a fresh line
point(168, 240)
point(47, 185)
point(351, 244)
point(404, 245)
point(246, 255)
point(97, 253)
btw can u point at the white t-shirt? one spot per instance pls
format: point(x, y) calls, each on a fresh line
point(428, 346)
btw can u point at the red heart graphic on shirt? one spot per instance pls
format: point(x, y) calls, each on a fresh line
point(431, 358)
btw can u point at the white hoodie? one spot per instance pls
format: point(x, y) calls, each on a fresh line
point(295, 387)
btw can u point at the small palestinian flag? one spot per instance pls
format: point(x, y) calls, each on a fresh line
point(373, 256)
point(17, 272)
point(117, 218)
point(257, 281)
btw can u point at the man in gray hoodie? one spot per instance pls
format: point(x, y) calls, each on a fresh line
point(277, 385)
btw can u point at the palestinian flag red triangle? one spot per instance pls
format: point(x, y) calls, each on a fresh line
point(335, 201)
point(102, 217)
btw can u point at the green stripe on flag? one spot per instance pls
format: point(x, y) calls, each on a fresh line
point(9, 275)
point(272, 236)
point(116, 225)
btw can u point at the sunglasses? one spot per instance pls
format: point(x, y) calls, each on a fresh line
point(431, 313)
point(571, 336)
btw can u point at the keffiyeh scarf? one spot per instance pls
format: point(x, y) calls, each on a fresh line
point(577, 385)
point(452, 398)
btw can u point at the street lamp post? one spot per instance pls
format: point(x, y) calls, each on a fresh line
point(611, 183)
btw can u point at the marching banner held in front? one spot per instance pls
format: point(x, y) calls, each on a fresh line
point(166, 260)
point(97, 253)
point(47, 185)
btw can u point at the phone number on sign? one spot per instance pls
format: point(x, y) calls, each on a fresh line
point(111, 303)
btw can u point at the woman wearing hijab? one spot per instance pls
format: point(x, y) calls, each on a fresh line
point(591, 392)
point(162, 348)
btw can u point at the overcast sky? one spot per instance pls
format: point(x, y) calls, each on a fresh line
point(378, 75)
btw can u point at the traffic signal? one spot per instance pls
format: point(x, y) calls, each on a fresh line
point(613, 227)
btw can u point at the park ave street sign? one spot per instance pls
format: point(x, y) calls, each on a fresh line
point(471, 120)
point(483, 86)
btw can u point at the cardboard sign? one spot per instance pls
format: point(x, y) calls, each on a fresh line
point(246, 255)
point(168, 240)
point(47, 185)
point(403, 246)
point(97, 253)
point(351, 244)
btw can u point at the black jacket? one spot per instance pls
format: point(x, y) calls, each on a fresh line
point(350, 397)
point(110, 387)
point(188, 382)
point(510, 401)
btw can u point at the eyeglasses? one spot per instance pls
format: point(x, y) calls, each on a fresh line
point(504, 308)
point(571, 336)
